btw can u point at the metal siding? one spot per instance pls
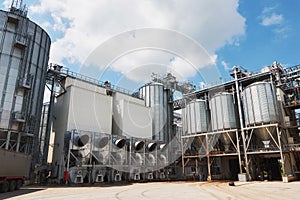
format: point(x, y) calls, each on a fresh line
point(157, 99)
point(17, 53)
point(38, 34)
point(136, 120)
point(8, 43)
point(14, 62)
point(197, 117)
point(90, 111)
point(11, 27)
point(260, 106)
point(223, 112)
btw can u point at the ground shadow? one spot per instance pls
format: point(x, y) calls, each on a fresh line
point(20, 192)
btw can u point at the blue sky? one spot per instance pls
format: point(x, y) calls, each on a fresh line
point(264, 43)
point(246, 33)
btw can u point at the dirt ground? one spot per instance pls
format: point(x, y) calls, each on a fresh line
point(164, 190)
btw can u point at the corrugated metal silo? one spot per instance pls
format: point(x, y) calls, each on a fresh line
point(260, 103)
point(223, 114)
point(196, 117)
point(158, 99)
point(260, 107)
point(24, 54)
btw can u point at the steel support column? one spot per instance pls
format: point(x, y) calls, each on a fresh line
point(7, 140)
point(208, 159)
point(241, 121)
point(280, 149)
point(239, 151)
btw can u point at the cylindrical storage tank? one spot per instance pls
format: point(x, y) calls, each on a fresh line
point(259, 101)
point(158, 99)
point(260, 107)
point(223, 112)
point(24, 54)
point(196, 119)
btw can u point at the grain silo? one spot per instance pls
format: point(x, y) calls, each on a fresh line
point(224, 116)
point(24, 54)
point(159, 99)
point(260, 107)
point(196, 117)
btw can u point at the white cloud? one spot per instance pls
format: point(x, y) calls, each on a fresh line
point(140, 64)
point(270, 9)
point(271, 18)
point(274, 19)
point(58, 23)
point(181, 69)
point(6, 3)
point(211, 23)
point(225, 65)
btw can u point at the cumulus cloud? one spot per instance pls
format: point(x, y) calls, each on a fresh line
point(271, 18)
point(211, 23)
point(139, 65)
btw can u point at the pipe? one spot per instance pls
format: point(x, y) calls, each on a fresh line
point(49, 122)
point(101, 142)
point(241, 120)
point(138, 145)
point(151, 146)
point(81, 141)
point(139, 158)
point(120, 143)
point(151, 158)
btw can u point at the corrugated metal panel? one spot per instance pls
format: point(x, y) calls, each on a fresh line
point(260, 103)
point(157, 98)
point(223, 114)
point(196, 117)
point(89, 111)
point(130, 116)
point(16, 62)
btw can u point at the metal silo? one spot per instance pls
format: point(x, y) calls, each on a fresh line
point(260, 107)
point(223, 112)
point(196, 117)
point(159, 99)
point(224, 116)
point(24, 54)
point(260, 103)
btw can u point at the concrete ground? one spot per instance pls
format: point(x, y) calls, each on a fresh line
point(164, 190)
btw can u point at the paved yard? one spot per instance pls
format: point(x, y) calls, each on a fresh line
point(164, 190)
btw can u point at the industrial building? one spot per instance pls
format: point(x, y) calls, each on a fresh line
point(246, 127)
point(108, 132)
point(92, 131)
point(235, 130)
